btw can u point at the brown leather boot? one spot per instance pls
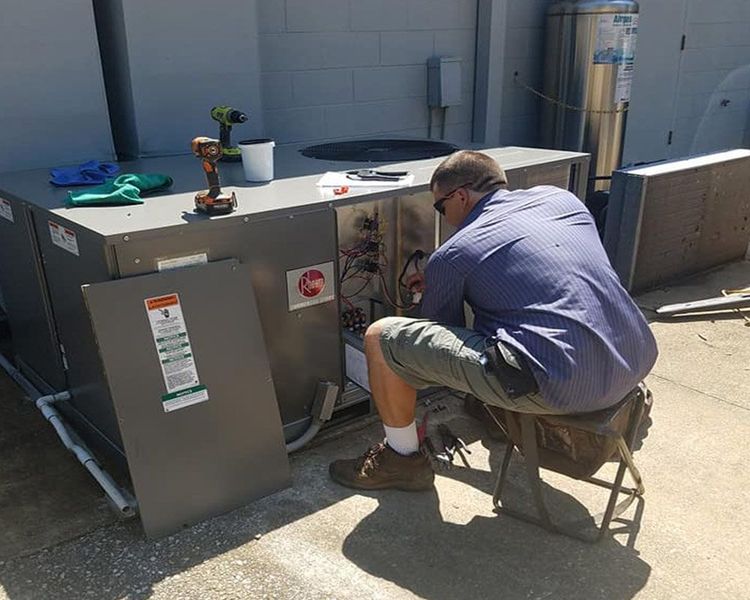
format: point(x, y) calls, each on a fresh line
point(381, 468)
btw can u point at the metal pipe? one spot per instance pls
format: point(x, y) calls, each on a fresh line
point(121, 499)
point(18, 377)
point(325, 399)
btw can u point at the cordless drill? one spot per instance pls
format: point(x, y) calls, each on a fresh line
point(213, 201)
point(227, 116)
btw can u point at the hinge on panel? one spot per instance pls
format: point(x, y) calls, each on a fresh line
point(669, 139)
point(684, 40)
point(64, 358)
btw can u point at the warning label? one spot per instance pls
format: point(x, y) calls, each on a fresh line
point(311, 285)
point(6, 212)
point(175, 353)
point(63, 237)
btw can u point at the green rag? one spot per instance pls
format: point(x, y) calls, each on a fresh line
point(125, 189)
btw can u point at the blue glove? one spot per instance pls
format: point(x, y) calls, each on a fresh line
point(89, 173)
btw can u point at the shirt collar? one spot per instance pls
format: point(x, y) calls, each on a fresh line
point(479, 207)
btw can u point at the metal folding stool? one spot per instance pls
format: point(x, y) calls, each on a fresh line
point(599, 423)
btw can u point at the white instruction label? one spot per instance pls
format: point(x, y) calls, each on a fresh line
point(356, 366)
point(6, 212)
point(175, 353)
point(168, 264)
point(63, 237)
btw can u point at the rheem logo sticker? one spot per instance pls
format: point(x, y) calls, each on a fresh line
point(311, 283)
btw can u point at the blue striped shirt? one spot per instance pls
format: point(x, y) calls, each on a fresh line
point(532, 268)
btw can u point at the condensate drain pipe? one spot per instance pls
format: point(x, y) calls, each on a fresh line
point(325, 399)
point(125, 505)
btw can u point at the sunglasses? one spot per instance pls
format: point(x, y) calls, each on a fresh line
point(439, 204)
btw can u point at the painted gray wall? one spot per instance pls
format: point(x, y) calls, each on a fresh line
point(346, 68)
point(524, 53)
point(682, 90)
point(176, 62)
point(53, 109)
point(715, 67)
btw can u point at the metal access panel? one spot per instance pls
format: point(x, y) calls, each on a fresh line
point(35, 344)
point(74, 256)
point(676, 218)
point(302, 338)
point(201, 450)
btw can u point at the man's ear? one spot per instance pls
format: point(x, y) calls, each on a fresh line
point(465, 197)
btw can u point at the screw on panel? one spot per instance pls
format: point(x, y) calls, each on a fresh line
point(137, 261)
point(246, 219)
point(126, 238)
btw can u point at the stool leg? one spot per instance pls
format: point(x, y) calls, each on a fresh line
point(531, 460)
point(503, 474)
point(626, 462)
point(604, 527)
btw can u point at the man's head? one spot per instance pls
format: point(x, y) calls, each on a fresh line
point(461, 180)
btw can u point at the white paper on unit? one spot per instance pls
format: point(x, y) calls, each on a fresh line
point(334, 179)
point(690, 163)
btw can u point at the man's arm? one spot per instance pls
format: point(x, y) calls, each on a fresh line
point(443, 299)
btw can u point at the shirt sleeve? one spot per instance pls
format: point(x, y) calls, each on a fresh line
point(443, 299)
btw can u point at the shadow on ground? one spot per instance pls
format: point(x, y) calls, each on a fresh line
point(491, 556)
point(406, 540)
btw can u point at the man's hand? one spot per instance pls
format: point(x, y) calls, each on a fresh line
point(415, 283)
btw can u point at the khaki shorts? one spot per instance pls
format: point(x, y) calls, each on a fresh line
point(426, 354)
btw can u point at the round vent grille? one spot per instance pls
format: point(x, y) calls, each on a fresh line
point(379, 150)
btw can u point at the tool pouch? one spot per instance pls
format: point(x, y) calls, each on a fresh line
point(510, 369)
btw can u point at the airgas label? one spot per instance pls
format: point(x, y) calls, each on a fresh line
point(311, 285)
point(615, 45)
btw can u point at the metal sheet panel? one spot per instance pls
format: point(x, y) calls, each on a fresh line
point(213, 456)
point(65, 273)
point(678, 218)
point(27, 304)
point(304, 346)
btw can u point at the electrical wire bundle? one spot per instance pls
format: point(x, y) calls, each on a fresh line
point(367, 261)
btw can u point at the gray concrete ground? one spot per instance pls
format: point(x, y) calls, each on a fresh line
point(317, 540)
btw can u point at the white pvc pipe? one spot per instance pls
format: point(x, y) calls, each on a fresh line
point(45, 404)
point(18, 377)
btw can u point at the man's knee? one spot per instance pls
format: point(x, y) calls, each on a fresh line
point(375, 331)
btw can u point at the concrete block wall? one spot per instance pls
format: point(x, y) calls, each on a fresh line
point(53, 108)
point(524, 54)
point(164, 75)
point(713, 95)
point(333, 69)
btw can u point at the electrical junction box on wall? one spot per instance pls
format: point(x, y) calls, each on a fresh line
point(443, 81)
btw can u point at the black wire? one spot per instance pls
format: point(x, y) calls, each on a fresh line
point(416, 255)
point(391, 301)
point(359, 291)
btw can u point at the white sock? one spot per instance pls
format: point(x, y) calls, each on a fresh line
point(403, 440)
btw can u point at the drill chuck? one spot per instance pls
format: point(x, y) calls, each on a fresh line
point(226, 115)
point(235, 116)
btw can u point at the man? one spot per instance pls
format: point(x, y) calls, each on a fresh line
point(554, 331)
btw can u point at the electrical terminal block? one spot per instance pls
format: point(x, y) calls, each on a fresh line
point(354, 320)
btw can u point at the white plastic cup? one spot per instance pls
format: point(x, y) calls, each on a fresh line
point(257, 159)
